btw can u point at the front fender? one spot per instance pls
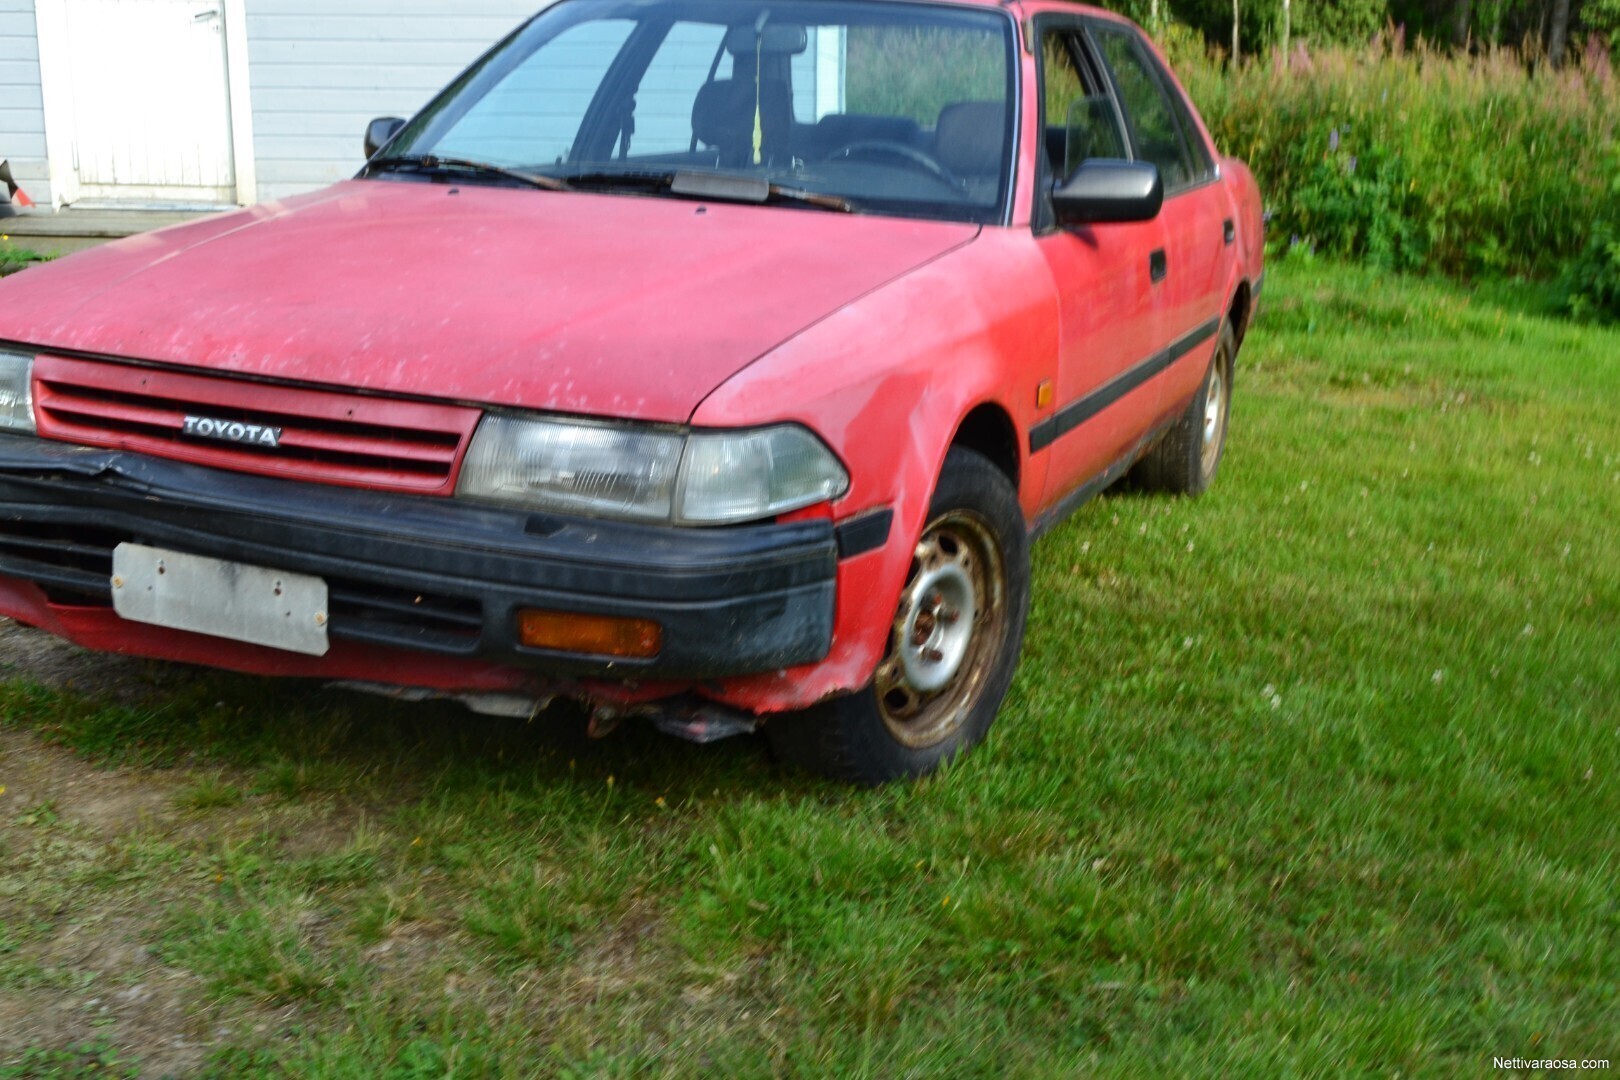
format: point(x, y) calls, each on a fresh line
point(886, 382)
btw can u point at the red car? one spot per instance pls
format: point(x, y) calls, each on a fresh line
point(708, 360)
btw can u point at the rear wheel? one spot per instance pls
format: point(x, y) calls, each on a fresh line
point(953, 645)
point(1186, 460)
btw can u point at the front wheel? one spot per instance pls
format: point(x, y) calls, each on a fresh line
point(953, 645)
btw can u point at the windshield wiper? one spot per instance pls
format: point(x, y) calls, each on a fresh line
point(639, 179)
point(752, 189)
point(821, 201)
point(448, 165)
point(699, 185)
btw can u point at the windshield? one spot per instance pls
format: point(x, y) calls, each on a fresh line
point(886, 107)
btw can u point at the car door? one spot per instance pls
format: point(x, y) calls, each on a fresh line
point(1102, 274)
point(1194, 222)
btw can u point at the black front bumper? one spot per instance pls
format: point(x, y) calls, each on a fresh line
point(429, 573)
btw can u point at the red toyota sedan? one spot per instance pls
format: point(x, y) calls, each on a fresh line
point(713, 361)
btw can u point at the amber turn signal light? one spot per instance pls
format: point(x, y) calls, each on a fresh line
point(597, 635)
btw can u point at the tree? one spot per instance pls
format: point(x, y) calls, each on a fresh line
point(1557, 33)
point(1460, 11)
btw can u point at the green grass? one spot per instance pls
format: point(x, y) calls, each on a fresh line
point(1314, 776)
point(70, 1063)
point(13, 257)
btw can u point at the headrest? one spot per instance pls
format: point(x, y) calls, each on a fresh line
point(970, 137)
point(723, 114)
point(841, 129)
point(710, 111)
point(777, 39)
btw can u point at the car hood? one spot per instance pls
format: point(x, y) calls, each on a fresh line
point(610, 305)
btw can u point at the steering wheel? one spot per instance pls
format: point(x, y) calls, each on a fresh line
point(898, 151)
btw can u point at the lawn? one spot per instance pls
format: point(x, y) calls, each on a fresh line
point(1314, 776)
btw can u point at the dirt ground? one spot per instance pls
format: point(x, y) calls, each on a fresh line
point(91, 979)
point(85, 905)
point(76, 965)
point(33, 655)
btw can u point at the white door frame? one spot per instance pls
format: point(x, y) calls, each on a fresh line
point(55, 80)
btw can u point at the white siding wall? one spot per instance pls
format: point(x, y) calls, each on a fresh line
point(22, 115)
point(319, 71)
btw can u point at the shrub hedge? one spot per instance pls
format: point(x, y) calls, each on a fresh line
point(1418, 160)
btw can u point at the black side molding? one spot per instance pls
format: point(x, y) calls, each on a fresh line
point(1071, 416)
point(1083, 494)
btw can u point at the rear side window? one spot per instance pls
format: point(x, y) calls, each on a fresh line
point(1154, 117)
point(1203, 165)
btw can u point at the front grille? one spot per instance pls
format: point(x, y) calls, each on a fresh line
point(73, 564)
point(325, 436)
point(451, 624)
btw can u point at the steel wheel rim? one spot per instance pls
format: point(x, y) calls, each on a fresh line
point(944, 642)
point(1214, 427)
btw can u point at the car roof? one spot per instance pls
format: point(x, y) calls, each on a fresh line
point(1067, 6)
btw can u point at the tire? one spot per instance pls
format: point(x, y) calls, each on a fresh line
point(941, 682)
point(1186, 460)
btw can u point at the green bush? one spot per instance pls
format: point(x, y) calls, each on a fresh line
point(1413, 159)
point(1361, 207)
point(1590, 284)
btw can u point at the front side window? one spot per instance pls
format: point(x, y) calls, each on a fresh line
point(1155, 132)
point(883, 107)
point(1081, 123)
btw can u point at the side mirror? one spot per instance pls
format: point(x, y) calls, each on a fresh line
point(1103, 191)
point(380, 132)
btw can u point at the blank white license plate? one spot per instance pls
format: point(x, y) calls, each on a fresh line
point(222, 599)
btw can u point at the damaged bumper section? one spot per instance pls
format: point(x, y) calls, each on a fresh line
point(459, 587)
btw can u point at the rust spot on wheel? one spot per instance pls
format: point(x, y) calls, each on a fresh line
point(947, 631)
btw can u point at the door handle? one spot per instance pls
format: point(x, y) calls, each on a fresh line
point(201, 15)
point(1158, 267)
point(1228, 231)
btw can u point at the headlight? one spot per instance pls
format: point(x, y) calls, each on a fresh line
point(16, 392)
point(746, 475)
point(585, 468)
point(645, 474)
